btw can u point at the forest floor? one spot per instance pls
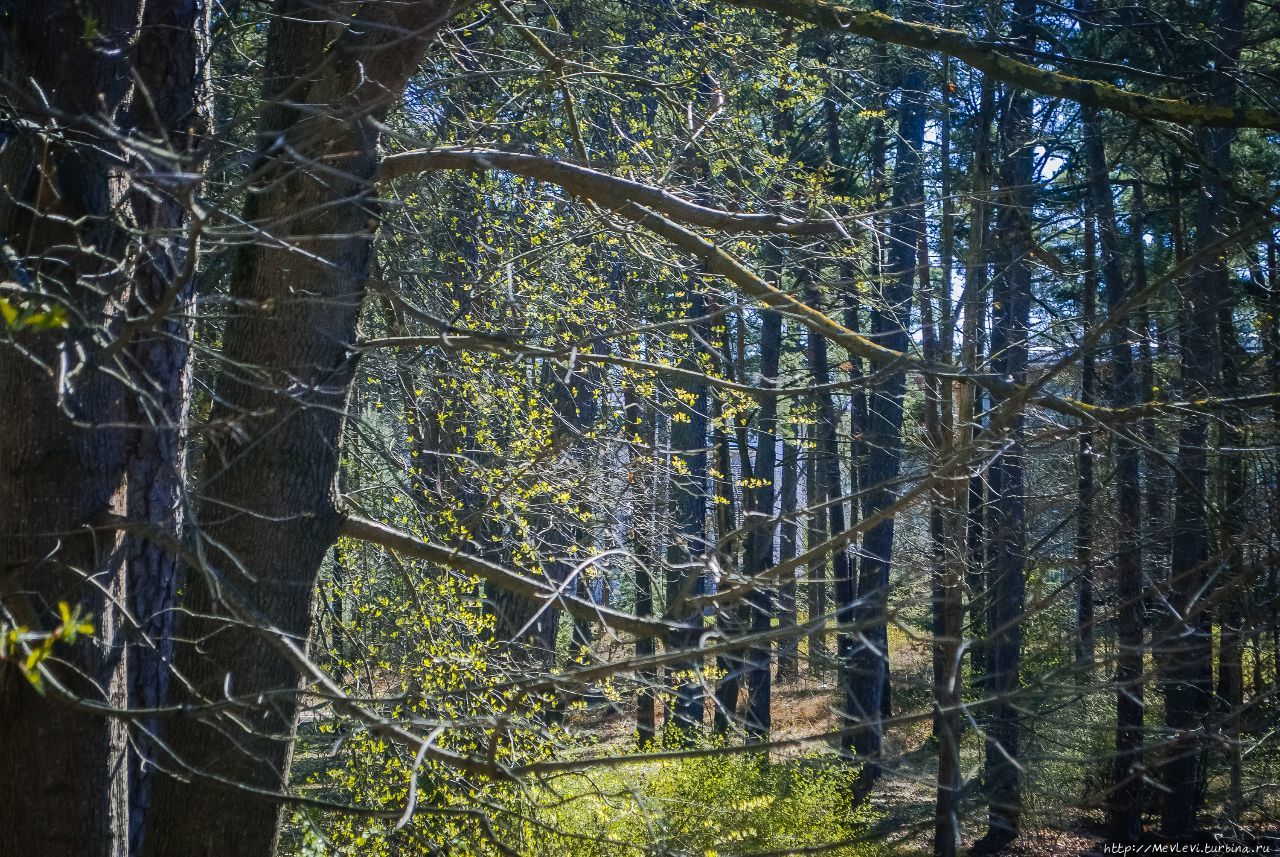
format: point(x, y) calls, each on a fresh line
point(903, 801)
point(1057, 818)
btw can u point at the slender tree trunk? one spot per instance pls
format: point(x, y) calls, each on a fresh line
point(688, 543)
point(1125, 804)
point(788, 546)
point(1009, 349)
point(640, 431)
point(1155, 476)
point(1084, 482)
point(815, 534)
point(976, 285)
point(760, 529)
point(730, 617)
point(1186, 645)
point(827, 465)
point(864, 656)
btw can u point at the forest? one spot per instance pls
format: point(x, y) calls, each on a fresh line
point(561, 428)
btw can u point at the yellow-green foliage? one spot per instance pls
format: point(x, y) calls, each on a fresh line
point(426, 650)
point(732, 804)
point(702, 806)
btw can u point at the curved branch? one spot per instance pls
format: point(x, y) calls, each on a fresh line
point(883, 28)
point(356, 527)
point(603, 189)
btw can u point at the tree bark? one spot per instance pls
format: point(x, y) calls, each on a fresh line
point(1007, 528)
point(788, 545)
point(1084, 480)
point(80, 198)
point(761, 528)
point(269, 507)
point(1185, 649)
point(864, 656)
point(687, 544)
point(1125, 803)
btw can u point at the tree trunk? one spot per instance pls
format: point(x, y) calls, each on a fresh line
point(1186, 647)
point(1231, 590)
point(688, 543)
point(1125, 803)
point(269, 508)
point(640, 430)
point(976, 285)
point(1084, 481)
point(815, 534)
point(827, 465)
point(788, 546)
point(107, 447)
point(760, 528)
point(1007, 529)
point(864, 655)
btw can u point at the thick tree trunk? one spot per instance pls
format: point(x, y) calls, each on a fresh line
point(73, 196)
point(269, 507)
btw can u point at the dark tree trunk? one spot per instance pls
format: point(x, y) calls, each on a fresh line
point(864, 655)
point(269, 508)
point(815, 534)
point(173, 56)
point(1185, 647)
point(1230, 595)
point(1084, 481)
point(731, 619)
point(1156, 482)
point(640, 431)
point(760, 528)
point(688, 543)
point(788, 547)
point(108, 448)
point(827, 464)
point(976, 285)
point(1007, 528)
point(1125, 804)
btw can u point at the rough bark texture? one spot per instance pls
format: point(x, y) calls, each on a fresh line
point(172, 67)
point(107, 447)
point(268, 510)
